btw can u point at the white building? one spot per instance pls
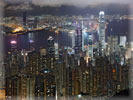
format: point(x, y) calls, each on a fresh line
point(101, 30)
point(123, 40)
point(56, 46)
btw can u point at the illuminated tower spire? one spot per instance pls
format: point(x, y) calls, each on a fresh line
point(101, 31)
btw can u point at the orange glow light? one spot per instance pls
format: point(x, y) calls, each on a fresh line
point(18, 29)
point(2, 94)
point(114, 71)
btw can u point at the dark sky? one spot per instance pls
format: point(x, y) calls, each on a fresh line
point(71, 10)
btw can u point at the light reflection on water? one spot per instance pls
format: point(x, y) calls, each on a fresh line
point(39, 38)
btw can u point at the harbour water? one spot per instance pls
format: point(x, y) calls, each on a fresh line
point(63, 38)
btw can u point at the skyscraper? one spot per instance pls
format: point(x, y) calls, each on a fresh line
point(123, 40)
point(112, 43)
point(90, 47)
point(73, 39)
point(32, 23)
point(101, 30)
point(78, 42)
point(50, 52)
point(50, 45)
point(83, 36)
point(56, 46)
point(24, 19)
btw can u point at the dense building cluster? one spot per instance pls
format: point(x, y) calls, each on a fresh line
point(50, 73)
point(98, 69)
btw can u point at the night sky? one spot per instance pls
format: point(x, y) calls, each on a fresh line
point(71, 10)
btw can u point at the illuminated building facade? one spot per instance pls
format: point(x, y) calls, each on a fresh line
point(56, 46)
point(123, 40)
point(50, 52)
point(112, 44)
point(90, 45)
point(32, 23)
point(78, 42)
point(62, 73)
point(33, 80)
point(101, 32)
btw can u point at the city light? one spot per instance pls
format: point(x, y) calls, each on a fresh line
point(79, 96)
point(31, 41)
point(2, 94)
point(13, 42)
point(101, 12)
point(18, 29)
point(58, 57)
point(114, 71)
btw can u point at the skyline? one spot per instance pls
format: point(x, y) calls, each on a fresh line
point(111, 29)
point(65, 50)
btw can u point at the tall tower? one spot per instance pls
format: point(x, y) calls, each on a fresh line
point(101, 33)
point(51, 52)
point(90, 47)
point(56, 47)
point(73, 39)
point(101, 30)
point(83, 35)
point(50, 46)
point(24, 19)
point(113, 44)
point(78, 42)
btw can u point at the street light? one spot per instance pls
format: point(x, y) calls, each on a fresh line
point(79, 96)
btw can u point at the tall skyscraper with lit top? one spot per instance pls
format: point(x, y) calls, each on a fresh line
point(101, 30)
point(51, 52)
point(50, 46)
